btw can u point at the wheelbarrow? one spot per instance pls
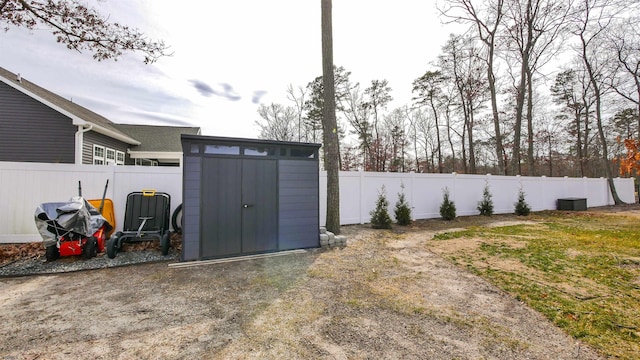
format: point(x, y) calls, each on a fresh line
point(146, 218)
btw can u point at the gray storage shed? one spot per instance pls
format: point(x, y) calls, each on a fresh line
point(246, 196)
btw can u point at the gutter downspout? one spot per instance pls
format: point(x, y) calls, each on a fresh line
point(80, 141)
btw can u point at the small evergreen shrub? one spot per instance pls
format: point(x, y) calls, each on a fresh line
point(380, 218)
point(402, 211)
point(522, 208)
point(447, 208)
point(485, 206)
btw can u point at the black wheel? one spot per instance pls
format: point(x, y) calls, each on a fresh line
point(52, 253)
point(111, 247)
point(176, 219)
point(165, 243)
point(90, 248)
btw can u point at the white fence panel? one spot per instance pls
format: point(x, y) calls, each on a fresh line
point(23, 186)
point(359, 192)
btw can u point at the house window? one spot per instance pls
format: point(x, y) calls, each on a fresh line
point(98, 155)
point(110, 156)
point(119, 158)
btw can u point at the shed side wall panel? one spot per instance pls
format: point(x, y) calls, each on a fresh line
point(33, 132)
point(191, 208)
point(298, 204)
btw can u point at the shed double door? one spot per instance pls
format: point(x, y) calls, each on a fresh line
point(239, 206)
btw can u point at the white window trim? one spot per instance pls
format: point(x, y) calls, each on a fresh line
point(98, 160)
point(119, 157)
point(110, 156)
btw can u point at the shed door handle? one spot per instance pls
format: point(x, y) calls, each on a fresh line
point(247, 205)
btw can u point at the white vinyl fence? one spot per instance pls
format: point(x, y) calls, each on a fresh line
point(359, 192)
point(23, 186)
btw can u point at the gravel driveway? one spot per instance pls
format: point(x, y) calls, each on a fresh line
point(383, 296)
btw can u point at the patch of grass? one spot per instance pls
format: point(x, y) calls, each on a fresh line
point(580, 270)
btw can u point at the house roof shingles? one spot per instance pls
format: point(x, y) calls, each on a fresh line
point(157, 138)
point(57, 100)
point(147, 137)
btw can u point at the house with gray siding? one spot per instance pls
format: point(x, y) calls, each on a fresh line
point(37, 125)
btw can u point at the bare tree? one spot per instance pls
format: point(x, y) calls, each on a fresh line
point(298, 99)
point(461, 62)
point(279, 122)
point(590, 24)
point(329, 122)
point(625, 43)
point(428, 93)
point(80, 28)
point(395, 130)
point(486, 21)
point(378, 97)
point(532, 27)
point(357, 114)
point(415, 116)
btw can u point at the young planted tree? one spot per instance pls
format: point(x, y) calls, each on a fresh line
point(485, 206)
point(402, 211)
point(80, 27)
point(447, 207)
point(380, 218)
point(521, 206)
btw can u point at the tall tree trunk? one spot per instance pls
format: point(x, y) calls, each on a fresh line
point(450, 140)
point(530, 159)
point(603, 139)
point(472, 152)
point(435, 116)
point(579, 140)
point(329, 123)
point(494, 112)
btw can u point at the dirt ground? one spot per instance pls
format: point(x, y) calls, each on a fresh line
point(385, 295)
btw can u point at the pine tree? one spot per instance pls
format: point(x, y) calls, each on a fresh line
point(448, 207)
point(522, 208)
point(402, 211)
point(380, 218)
point(485, 206)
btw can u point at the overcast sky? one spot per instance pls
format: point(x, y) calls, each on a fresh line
point(230, 56)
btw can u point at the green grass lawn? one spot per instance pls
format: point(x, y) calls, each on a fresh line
point(581, 270)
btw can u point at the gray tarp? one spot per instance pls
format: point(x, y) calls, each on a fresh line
point(76, 216)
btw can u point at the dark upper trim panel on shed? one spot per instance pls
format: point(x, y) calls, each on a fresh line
point(247, 196)
point(226, 146)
